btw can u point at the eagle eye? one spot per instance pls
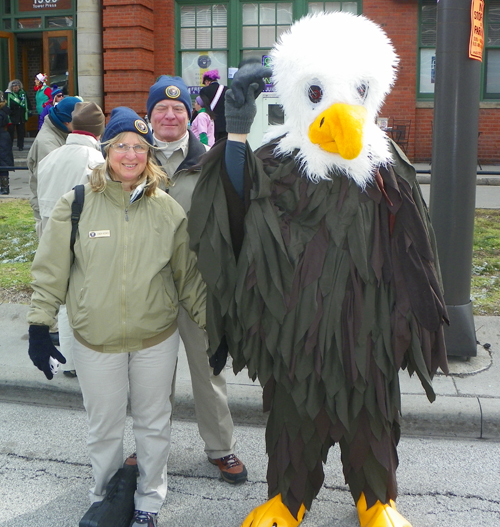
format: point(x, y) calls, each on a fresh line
point(315, 93)
point(362, 90)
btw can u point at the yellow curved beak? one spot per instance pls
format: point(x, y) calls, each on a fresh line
point(339, 130)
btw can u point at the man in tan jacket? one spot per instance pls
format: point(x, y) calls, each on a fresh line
point(169, 110)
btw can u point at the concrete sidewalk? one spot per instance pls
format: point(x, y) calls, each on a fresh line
point(467, 404)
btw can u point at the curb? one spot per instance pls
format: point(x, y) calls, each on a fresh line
point(493, 181)
point(448, 417)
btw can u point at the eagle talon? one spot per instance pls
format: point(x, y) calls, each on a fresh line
point(380, 514)
point(273, 513)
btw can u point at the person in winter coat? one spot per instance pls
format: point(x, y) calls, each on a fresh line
point(18, 102)
point(213, 95)
point(178, 153)
point(132, 270)
point(6, 157)
point(52, 135)
point(58, 172)
point(43, 92)
point(203, 124)
point(56, 96)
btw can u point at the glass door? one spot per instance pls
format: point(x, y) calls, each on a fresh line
point(7, 63)
point(58, 61)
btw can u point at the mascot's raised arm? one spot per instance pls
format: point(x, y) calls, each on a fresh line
point(321, 267)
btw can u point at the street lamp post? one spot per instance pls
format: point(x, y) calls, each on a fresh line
point(454, 168)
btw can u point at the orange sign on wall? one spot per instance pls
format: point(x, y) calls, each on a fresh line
point(476, 42)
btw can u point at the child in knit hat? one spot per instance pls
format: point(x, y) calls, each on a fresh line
point(203, 124)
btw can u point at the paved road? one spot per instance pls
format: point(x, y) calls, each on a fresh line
point(45, 475)
point(487, 196)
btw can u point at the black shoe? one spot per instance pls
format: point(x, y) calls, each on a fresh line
point(4, 191)
point(54, 337)
point(20, 149)
point(70, 373)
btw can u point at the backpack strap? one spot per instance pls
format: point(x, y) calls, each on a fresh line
point(76, 210)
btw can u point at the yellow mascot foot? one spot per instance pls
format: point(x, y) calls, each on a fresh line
point(380, 515)
point(273, 513)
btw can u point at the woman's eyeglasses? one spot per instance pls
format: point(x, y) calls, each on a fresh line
point(123, 148)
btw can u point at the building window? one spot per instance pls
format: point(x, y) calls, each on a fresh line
point(262, 24)
point(203, 42)
point(427, 50)
point(210, 36)
point(491, 56)
point(329, 7)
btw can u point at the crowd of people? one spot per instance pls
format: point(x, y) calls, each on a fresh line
point(17, 110)
point(118, 333)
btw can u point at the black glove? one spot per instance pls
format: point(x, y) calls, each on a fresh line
point(41, 349)
point(219, 358)
point(247, 85)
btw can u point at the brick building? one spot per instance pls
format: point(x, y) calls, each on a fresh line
point(115, 49)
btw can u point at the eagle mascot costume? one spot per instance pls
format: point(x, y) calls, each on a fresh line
point(320, 264)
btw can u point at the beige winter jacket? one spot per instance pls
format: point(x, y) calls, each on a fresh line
point(132, 269)
point(48, 138)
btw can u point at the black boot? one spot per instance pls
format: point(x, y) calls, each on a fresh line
point(4, 184)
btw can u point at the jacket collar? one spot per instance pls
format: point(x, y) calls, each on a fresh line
point(195, 150)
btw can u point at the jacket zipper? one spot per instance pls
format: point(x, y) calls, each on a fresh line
point(124, 275)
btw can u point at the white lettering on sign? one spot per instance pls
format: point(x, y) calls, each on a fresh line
point(44, 4)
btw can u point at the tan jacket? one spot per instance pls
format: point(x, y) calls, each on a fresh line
point(132, 269)
point(48, 138)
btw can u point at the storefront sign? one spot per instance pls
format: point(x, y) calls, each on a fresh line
point(476, 42)
point(36, 5)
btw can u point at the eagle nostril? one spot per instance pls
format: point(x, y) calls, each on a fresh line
point(322, 122)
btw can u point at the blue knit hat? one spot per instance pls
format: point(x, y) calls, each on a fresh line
point(55, 91)
point(62, 112)
point(124, 119)
point(168, 88)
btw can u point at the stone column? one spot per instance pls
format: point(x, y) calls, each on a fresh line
point(89, 51)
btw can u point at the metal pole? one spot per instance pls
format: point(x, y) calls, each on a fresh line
point(454, 168)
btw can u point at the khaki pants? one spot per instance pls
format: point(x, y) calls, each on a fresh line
point(215, 423)
point(66, 338)
point(106, 379)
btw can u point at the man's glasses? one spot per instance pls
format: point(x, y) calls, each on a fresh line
point(123, 148)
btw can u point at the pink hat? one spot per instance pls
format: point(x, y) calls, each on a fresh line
point(211, 75)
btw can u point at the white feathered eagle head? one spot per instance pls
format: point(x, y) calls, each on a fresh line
point(332, 72)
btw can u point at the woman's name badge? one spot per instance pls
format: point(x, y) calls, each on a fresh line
point(99, 234)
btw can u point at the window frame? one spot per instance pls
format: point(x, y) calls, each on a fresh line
point(484, 96)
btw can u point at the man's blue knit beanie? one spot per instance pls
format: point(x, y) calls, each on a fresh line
point(62, 112)
point(168, 88)
point(124, 119)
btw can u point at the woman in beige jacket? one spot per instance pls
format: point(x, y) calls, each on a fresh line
point(131, 271)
